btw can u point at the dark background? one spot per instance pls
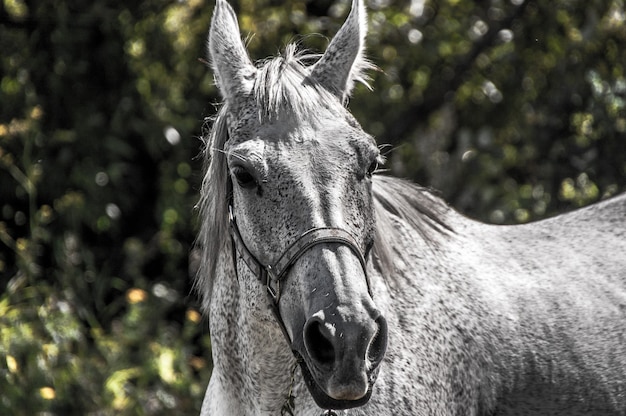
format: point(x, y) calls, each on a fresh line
point(514, 110)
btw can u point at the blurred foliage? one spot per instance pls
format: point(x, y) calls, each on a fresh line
point(515, 110)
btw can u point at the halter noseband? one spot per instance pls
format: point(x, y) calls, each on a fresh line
point(271, 276)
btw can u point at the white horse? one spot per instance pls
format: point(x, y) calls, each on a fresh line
point(333, 290)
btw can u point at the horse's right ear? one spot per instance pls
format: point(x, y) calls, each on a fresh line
point(344, 61)
point(234, 72)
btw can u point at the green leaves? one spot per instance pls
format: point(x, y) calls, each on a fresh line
point(52, 360)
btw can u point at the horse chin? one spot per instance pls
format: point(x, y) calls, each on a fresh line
point(321, 397)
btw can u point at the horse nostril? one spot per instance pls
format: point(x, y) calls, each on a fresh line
point(378, 345)
point(317, 340)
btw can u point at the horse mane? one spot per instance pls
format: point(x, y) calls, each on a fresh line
point(283, 84)
point(418, 207)
point(212, 206)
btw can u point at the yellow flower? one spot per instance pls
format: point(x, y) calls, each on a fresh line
point(47, 393)
point(12, 364)
point(193, 315)
point(136, 295)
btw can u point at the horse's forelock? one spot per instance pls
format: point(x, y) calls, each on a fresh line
point(284, 85)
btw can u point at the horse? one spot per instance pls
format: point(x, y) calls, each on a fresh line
point(331, 288)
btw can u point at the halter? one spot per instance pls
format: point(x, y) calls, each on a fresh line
point(271, 276)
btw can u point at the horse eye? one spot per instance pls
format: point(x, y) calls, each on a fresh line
point(244, 178)
point(372, 168)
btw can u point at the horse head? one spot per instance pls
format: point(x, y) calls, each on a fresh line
point(299, 169)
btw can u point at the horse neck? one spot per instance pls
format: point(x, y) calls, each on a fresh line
point(430, 280)
point(252, 360)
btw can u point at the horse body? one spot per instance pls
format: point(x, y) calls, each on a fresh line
point(565, 280)
point(526, 319)
point(472, 319)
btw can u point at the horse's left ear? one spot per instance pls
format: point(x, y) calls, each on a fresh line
point(343, 63)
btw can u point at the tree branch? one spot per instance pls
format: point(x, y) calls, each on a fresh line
point(436, 94)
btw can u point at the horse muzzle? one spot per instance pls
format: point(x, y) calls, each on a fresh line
point(340, 359)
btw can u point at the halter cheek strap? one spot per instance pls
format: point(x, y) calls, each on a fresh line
point(271, 276)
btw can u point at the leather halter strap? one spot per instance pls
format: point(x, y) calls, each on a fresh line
point(272, 275)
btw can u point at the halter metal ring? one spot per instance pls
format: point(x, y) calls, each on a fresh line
point(274, 292)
